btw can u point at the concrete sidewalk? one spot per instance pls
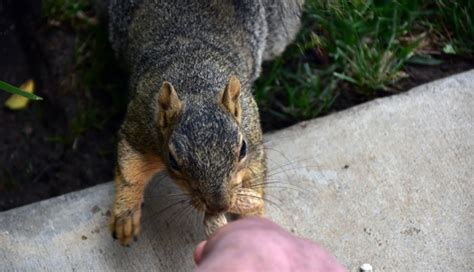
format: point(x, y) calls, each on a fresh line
point(389, 183)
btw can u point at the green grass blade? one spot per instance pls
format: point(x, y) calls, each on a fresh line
point(344, 77)
point(14, 90)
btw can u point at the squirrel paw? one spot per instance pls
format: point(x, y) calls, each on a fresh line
point(126, 226)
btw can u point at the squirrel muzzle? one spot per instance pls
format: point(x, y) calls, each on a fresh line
point(215, 201)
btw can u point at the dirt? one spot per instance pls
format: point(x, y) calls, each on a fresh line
point(67, 142)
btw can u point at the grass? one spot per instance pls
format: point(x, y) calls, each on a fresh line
point(456, 24)
point(363, 38)
point(359, 45)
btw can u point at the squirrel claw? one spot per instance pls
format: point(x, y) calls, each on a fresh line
point(126, 227)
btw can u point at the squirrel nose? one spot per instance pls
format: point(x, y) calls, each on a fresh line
point(218, 206)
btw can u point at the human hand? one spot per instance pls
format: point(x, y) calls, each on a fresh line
point(256, 244)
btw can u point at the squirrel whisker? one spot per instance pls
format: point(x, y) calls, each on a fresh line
point(168, 207)
point(271, 185)
point(178, 214)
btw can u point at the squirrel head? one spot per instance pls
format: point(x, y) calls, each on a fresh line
point(204, 146)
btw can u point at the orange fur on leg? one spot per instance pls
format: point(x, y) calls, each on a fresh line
point(134, 172)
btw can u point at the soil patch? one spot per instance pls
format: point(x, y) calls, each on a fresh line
point(67, 141)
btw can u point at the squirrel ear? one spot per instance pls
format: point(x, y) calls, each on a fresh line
point(169, 104)
point(231, 97)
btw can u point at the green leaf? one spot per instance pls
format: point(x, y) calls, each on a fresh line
point(14, 90)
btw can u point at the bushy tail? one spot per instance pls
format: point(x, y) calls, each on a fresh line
point(283, 20)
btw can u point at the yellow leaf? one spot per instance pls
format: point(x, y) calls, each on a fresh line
point(17, 102)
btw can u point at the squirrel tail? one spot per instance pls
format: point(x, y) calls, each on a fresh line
point(283, 20)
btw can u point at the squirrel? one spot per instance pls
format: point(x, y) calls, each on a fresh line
point(192, 64)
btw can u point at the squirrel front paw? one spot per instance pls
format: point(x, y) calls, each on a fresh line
point(125, 226)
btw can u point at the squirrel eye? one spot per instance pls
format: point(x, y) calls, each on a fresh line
point(243, 150)
point(172, 161)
